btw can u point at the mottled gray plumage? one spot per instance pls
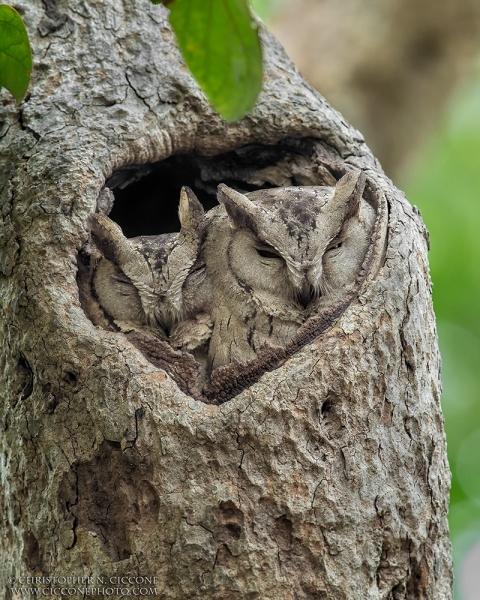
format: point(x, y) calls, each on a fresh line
point(155, 283)
point(276, 257)
point(248, 273)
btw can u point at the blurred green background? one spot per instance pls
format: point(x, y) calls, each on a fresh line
point(445, 186)
point(443, 180)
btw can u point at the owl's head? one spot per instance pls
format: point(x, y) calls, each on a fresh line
point(304, 245)
point(140, 281)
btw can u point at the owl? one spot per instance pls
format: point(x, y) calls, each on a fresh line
point(154, 284)
point(276, 257)
point(237, 286)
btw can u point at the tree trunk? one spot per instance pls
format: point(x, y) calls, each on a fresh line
point(327, 478)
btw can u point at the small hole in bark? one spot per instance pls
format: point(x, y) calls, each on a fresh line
point(26, 378)
point(113, 444)
point(70, 378)
point(282, 532)
point(234, 530)
point(326, 407)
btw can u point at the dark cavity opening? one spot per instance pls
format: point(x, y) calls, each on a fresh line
point(146, 196)
point(326, 407)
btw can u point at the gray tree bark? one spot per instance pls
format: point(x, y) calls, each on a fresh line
point(325, 479)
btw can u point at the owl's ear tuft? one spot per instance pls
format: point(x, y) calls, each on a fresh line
point(190, 211)
point(349, 190)
point(242, 212)
point(116, 248)
point(109, 239)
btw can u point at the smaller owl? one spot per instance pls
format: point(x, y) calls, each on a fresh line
point(275, 257)
point(155, 284)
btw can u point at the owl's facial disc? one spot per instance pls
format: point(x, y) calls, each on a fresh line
point(304, 245)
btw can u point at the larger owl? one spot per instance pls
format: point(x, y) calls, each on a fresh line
point(275, 257)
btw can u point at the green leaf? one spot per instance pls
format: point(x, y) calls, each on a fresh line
point(15, 54)
point(220, 43)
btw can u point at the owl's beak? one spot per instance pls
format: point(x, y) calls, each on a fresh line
point(307, 295)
